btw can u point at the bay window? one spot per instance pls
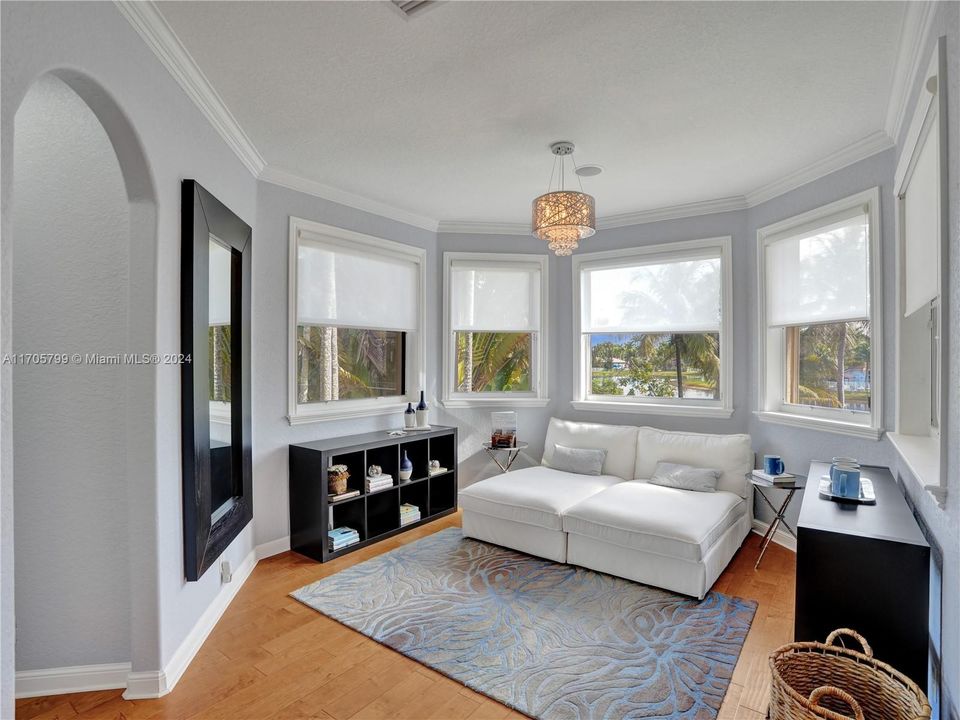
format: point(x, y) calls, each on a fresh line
point(356, 312)
point(495, 326)
point(819, 318)
point(653, 329)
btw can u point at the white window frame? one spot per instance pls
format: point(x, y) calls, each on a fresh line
point(919, 440)
point(538, 396)
point(771, 347)
point(415, 361)
point(687, 407)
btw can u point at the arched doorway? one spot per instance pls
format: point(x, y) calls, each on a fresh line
point(82, 230)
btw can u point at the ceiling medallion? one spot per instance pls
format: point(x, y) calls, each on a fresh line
point(563, 217)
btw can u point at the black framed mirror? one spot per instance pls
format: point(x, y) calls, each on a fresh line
point(215, 385)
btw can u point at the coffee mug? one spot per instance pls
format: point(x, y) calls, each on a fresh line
point(845, 480)
point(772, 465)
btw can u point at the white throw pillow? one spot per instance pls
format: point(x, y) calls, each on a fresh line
point(619, 441)
point(685, 477)
point(730, 454)
point(582, 461)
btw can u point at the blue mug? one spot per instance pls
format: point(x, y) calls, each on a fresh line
point(772, 465)
point(845, 480)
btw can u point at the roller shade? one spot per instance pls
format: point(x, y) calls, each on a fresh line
point(921, 226)
point(494, 297)
point(821, 274)
point(658, 297)
point(342, 287)
point(220, 272)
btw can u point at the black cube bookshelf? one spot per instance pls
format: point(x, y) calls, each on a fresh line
point(375, 516)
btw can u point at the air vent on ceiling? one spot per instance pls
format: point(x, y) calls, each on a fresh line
point(411, 7)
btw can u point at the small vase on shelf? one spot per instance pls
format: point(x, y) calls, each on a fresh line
point(409, 417)
point(423, 412)
point(406, 468)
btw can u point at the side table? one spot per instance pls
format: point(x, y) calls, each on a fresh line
point(511, 454)
point(797, 483)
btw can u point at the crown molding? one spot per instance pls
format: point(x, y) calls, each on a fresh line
point(673, 212)
point(471, 227)
point(916, 29)
point(275, 176)
point(871, 145)
point(147, 20)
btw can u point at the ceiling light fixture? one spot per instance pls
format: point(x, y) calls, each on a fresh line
point(563, 217)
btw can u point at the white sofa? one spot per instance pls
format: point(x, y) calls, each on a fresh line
point(617, 522)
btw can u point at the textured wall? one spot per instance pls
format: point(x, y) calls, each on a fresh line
point(70, 228)
point(272, 433)
point(145, 111)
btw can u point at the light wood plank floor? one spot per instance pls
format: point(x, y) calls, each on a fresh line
point(271, 658)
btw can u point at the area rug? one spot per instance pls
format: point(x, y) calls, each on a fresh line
point(555, 642)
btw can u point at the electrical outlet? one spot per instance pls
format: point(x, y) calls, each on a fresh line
point(226, 574)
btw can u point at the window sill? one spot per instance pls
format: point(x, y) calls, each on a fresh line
point(334, 412)
point(811, 423)
point(453, 403)
point(639, 408)
point(921, 453)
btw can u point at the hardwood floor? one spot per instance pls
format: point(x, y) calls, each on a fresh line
point(271, 658)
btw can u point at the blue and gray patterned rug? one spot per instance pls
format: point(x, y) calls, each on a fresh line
point(555, 642)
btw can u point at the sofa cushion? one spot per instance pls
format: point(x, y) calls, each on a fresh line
point(665, 521)
point(730, 454)
point(685, 477)
point(533, 496)
point(584, 461)
point(620, 442)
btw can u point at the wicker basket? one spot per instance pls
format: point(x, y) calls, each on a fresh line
point(813, 681)
point(337, 481)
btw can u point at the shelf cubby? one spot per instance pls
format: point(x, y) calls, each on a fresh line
point(418, 452)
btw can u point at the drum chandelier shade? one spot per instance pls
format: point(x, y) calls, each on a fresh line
point(563, 217)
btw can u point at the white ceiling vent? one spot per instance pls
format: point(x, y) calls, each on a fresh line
point(412, 7)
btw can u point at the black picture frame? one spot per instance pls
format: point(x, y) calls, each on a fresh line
point(202, 216)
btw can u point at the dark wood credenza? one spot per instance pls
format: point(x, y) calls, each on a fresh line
point(375, 516)
point(865, 567)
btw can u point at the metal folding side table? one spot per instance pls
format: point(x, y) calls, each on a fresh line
point(511, 454)
point(797, 483)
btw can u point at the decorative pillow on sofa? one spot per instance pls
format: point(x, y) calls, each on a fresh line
point(582, 461)
point(685, 477)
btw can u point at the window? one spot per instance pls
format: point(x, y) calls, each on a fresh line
point(495, 319)
point(819, 316)
point(356, 314)
point(653, 332)
point(922, 273)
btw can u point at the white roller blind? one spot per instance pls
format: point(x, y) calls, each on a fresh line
point(667, 296)
point(221, 261)
point(820, 275)
point(342, 287)
point(921, 227)
point(494, 297)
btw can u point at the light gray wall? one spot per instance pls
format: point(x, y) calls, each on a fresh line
point(71, 232)
point(272, 433)
point(160, 137)
point(799, 446)
point(944, 524)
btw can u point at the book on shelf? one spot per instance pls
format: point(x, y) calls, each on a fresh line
point(438, 470)
point(379, 478)
point(344, 496)
point(373, 487)
point(781, 479)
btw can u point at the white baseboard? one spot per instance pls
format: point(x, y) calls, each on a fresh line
point(145, 685)
point(153, 683)
point(274, 547)
point(78, 678)
point(780, 537)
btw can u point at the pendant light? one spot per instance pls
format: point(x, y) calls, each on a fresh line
point(563, 217)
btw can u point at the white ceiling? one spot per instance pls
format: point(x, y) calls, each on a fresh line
point(449, 113)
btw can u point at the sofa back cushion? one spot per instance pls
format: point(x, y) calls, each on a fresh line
point(619, 441)
point(730, 454)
